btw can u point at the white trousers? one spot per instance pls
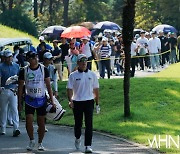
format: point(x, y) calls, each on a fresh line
point(8, 100)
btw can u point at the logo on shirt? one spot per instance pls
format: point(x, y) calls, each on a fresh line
point(30, 76)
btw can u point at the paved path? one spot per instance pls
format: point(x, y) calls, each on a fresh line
point(138, 73)
point(60, 140)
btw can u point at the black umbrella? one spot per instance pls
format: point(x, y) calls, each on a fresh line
point(107, 25)
point(53, 32)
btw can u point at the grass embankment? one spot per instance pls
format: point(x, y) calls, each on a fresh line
point(7, 32)
point(155, 107)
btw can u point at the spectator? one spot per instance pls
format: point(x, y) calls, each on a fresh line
point(142, 44)
point(172, 46)
point(15, 54)
point(164, 41)
point(42, 40)
point(112, 57)
point(57, 58)
point(154, 47)
point(47, 62)
point(133, 59)
point(42, 52)
point(105, 52)
point(86, 48)
point(8, 97)
point(178, 45)
point(64, 47)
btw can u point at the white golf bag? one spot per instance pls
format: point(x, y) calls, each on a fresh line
point(54, 114)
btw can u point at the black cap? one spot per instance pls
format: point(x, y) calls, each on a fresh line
point(142, 32)
point(119, 35)
point(31, 54)
point(153, 32)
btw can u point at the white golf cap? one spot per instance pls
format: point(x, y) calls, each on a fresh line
point(105, 39)
point(85, 38)
point(7, 53)
point(48, 55)
point(1, 53)
point(80, 56)
point(41, 38)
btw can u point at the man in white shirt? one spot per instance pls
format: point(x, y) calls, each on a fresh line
point(142, 44)
point(154, 47)
point(83, 89)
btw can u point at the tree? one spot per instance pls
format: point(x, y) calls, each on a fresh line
point(11, 4)
point(65, 12)
point(41, 6)
point(117, 8)
point(150, 13)
point(128, 26)
point(35, 9)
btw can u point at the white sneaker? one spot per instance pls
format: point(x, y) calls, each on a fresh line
point(31, 145)
point(3, 131)
point(88, 149)
point(77, 143)
point(40, 147)
point(46, 130)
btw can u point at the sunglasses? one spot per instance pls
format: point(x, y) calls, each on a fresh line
point(83, 59)
point(49, 59)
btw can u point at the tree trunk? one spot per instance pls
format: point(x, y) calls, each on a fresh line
point(41, 6)
point(65, 13)
point(50, 11)
point(128, 26)
point(10, 4)
point(35, 9)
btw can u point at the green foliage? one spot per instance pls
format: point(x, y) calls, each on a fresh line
point(117, 8)
point(17, 19)
point(97, 10)
point(150, 13)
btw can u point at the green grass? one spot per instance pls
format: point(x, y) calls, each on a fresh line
point(155, 107)
point(7, 32)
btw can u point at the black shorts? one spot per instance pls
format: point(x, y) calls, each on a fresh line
point(41, 111)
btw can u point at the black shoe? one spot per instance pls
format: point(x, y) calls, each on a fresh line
point(16, 133)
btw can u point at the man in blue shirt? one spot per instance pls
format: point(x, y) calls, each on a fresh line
point(47, 46)
point(8, 97)
point(56, 53)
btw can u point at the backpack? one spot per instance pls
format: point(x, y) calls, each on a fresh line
point(94, 55)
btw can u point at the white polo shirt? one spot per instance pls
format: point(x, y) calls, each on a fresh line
point(133, 48)
point(154, 45)
point(82, 84)
point(86, 49)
